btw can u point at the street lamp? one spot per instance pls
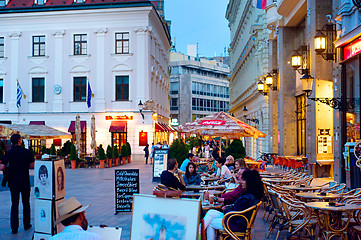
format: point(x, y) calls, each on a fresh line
point(307, 81)
point(300, 59)
point(296, 60)
point(269, 79)
point(320, 42)
point(260, 87)
point(324, 39)
point(244, 111)
point(140, 107)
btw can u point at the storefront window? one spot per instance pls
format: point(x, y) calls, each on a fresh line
point(353, 100)
point(119, 139)
point(82, 141)
point(301, 125)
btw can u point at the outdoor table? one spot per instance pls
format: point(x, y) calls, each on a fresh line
point(301, 189)
point(329, 218)
point(207, 187)
point(197, 194)
point(316, 195)
point(208, 179)
point(253, 164)
point(207, 206)
point(279, 181)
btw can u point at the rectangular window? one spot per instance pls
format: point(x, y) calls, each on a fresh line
point(38, 89)
point(174, 104)
point(1, 90)
point(80, 44)
point(79, 89)
point(40, 2)
point(301, 124)
point(119, 139)
point(2, 47)
point(38, 46)
point(82, 141)
point(122, 43)
point(174, 87)
point(122, 88)
point(2, 3)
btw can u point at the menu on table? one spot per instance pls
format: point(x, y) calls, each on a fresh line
point(126, 184)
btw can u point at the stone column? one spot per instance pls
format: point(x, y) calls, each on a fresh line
point(14, 72)
point(99, 82)
point(58, 104)
point(287, 127)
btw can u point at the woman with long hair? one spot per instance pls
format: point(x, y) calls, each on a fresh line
point(191, 177)
point(253, 193)
point(240, 165)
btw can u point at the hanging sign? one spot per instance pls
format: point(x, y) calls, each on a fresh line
point(126, 184)
point(125, 117)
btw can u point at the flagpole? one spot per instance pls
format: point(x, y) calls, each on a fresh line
point(21, 88)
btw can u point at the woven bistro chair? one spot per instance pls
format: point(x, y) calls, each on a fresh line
point(248, 215)
point(278, 213)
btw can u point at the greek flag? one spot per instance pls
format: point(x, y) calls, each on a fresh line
point(89, 96)
point(19, 94)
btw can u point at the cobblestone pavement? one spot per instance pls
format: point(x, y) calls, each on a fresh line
point(96, 186)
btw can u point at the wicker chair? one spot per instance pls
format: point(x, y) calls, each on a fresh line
point(228, 233)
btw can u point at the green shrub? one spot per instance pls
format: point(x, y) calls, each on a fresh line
point(66, 147)
point(109, 152)
point(52, 149)
point(123, 151)
point(194, 141)
point(73, 152)
point(101, 153)
point(129, 150)
point(236, 149)
point(59, 152)
point(115, 152)
point(178, 150)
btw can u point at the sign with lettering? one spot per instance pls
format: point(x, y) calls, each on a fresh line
point(126, 184)
point(143, 138)
point(159, 163)
point(125, 117)
point(352, 49)
point(212, 122)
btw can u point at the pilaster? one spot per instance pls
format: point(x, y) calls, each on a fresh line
point(14, 72)
point(58, 104)
point(99, 91)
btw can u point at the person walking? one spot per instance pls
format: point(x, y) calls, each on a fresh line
point(146, 153)
point(152, 153)
point(19, 160)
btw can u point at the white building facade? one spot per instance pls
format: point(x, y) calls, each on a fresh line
point(55, 52)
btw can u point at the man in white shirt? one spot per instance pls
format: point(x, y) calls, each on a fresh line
point(72, 216)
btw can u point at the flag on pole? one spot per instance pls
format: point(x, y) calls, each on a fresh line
point(19, 94)
point(261, 4)
point(89, 96)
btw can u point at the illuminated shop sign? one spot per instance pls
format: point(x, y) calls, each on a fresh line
point(352, 49)
point(125, 117)
point(212, 122)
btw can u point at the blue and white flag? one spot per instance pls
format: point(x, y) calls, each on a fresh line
point(89, 96)
point(19, 94)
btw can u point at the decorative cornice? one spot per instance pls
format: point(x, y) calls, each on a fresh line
point(59, 33)
point(246, 11)
point(15, 35)
point(101, 31)
point(143, 29)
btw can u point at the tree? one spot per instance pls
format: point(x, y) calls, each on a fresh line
point(30, 148)
point(66, 147)
point(109, 152)
point(73, 152)
point(129, 150)
point(123, 151)
point(52, 149)
point(101, 153)
point(178, 150)
point(115, 152)
point(43, 149)
point(236, 149)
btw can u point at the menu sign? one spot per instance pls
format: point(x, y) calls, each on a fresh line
point(352, 49)
point(126, 184)
point(159, 163)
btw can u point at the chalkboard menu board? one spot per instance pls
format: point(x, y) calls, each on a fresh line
point(126, 184)
point(159, 163)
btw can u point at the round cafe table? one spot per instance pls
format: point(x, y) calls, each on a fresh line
point(318, 196)
point(207, 187)
point(196, 195)
point(329, 218)
point(301, 189)
point(279, 181)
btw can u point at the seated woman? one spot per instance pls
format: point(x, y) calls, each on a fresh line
point(240, 165)
point(253, 193)
point(230, 162)
point(191, 177)
point(222, 170)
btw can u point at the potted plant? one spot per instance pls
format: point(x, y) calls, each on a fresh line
point(73, 156)
point(123, 154)
point(178, 150)
point(129, 153)
point(101, 155)
point(236, 149)
point(52, 149)
point(109, 155)
point(116, 155)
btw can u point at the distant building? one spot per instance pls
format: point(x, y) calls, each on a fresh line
point(198, 87)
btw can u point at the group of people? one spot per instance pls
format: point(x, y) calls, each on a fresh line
point(249, 190)
point(157, 146)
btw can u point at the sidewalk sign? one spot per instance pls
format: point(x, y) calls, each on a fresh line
point(159, 163)
point(126, 184)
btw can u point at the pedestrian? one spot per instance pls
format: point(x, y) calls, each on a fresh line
point(72, 216)
point(146, 153)
point(152, 153)
point(19, 160)
point(165, 145)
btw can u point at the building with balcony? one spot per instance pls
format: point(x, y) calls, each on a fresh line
point(55, 50)
point(198, 87)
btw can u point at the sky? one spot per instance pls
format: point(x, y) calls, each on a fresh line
point(198, 21)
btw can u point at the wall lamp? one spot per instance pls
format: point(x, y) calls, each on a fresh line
point(300, 60)
point(244, 112)
point(271, 79)
point(336, 103)
point(324, 39)
point(140, 107)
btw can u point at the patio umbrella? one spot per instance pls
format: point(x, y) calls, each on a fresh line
point(77, 134)
point(93, 143)
point(221, 124)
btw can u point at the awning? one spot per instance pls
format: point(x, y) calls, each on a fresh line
point(37, 123)
point(82, 126)
point(167, 127)
point(159, 128)
point(118, 126)
point(31, 131)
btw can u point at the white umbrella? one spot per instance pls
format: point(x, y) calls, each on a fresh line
point(93, 144)
point(77, 134)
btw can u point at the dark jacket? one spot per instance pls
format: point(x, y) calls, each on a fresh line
point(169, 180)
point(19, 160)
point(192, 179)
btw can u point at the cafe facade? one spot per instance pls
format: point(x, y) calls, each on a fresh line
point(122, 57)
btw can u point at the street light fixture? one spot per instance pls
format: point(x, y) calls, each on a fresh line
point(300, 60)
point(296, 60)
point(260, 87)
point(324, 39)
point(307, 81)
point(140, 107)
point(269, 79)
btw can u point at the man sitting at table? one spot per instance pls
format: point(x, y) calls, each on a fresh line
point(168, 179)
point(189, 158)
